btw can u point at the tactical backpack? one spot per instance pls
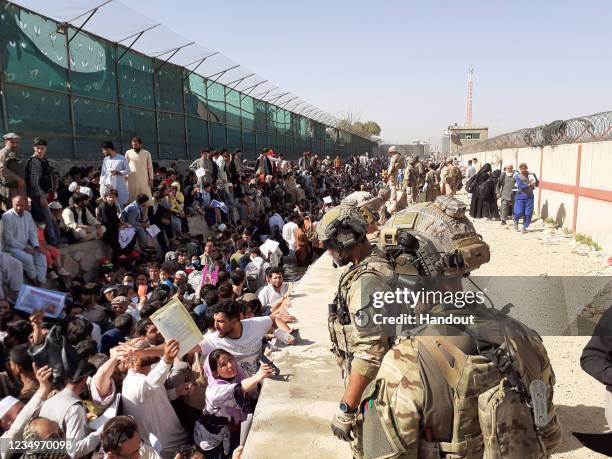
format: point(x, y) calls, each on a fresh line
point(492, 392)
point(454, 173)
point(498, 389)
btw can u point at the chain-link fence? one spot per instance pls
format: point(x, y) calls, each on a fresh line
point(76, 89)
point(591, 128)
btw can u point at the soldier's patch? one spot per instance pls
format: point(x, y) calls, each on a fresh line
point(405, 220)
point(362, 317)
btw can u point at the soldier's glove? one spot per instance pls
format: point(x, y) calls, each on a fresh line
point(342, 424)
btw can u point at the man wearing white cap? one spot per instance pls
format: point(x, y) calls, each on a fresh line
point(74, 187)
point(12, 172)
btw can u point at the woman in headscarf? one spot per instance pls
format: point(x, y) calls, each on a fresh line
point(230, 397)
point(484, 199)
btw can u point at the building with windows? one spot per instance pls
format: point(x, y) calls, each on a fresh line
point(460, 136)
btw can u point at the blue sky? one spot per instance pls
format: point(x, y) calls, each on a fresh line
point(404, 63)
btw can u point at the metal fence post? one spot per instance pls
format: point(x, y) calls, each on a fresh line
point(70, 96)
point(155, 111)
point(5, 125)
point(118, 89)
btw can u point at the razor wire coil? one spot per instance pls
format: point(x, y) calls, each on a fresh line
point(591, 128)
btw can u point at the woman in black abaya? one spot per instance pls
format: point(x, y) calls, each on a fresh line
point(484, 200)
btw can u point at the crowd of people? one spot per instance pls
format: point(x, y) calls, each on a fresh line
point(494, 194)
point(513, 189)
point(260, 217)
point(187, 402)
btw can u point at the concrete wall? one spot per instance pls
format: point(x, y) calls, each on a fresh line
point(294, 411)
point(575, 184)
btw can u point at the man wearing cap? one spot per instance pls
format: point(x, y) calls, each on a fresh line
point(20, 239)
point(75, 188)
point(121, 305)
point(12, 175)
point(56, 232)
point(81, 222)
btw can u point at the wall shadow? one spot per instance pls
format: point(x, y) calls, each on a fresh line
point(561, 214)
point(579, 418)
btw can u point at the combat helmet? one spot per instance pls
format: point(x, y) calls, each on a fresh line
point(434, 239)
point(366, 203)
point(342, 227)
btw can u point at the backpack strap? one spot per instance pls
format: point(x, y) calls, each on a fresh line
point(434, 346)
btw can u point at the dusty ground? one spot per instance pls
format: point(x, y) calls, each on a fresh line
point(545, 251)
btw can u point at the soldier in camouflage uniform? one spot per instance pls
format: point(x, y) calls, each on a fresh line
point(12, 170)
point(414, 178)
point(460, 391)
point(395, 164)
point(343, 232)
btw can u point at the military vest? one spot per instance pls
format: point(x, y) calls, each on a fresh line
point(340, 321)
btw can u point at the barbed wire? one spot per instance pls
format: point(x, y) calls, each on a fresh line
point(591, 128)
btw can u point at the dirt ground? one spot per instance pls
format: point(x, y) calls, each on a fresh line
point(544, 251)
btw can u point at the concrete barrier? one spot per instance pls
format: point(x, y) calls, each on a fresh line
point(294, 412)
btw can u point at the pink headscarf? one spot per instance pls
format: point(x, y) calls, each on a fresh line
point(237, 414)
point(212, 380)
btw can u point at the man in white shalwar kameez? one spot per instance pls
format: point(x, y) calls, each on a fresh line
point(145, 398)
point(114, 171)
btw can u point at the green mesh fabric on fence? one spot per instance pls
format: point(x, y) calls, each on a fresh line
point(77, 90)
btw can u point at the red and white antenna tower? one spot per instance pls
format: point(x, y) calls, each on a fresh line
point(468, 119)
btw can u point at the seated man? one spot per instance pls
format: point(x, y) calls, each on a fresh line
point(137, 216)
point(276, 288)
point(11, 276)
point(79, 219)
point(20, 239)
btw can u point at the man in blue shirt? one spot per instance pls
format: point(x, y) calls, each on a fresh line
point(136, 215)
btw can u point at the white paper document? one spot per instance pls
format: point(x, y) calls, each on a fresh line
point(174, 322)
point(125, 236)
point(153, 230)
point(33, 299)
point(245, 427)
point(268, 247)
